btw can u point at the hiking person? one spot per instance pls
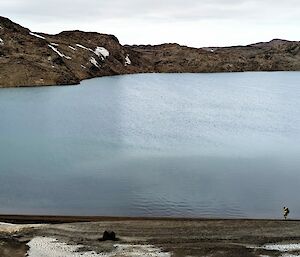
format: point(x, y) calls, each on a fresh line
point(286, 212)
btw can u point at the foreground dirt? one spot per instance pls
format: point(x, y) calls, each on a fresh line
point(215, 238)
point(38, 59)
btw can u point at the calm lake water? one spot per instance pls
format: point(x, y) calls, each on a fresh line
point(197, 145)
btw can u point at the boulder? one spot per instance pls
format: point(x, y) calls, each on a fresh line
point(109, 235)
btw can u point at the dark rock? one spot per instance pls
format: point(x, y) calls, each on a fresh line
point(109, 235)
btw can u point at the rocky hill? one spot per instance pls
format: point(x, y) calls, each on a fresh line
point(37, 59)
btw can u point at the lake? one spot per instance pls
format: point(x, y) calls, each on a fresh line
point(183, 145)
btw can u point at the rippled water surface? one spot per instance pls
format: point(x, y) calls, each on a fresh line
point(197, 145)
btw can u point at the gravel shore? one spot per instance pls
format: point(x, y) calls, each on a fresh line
point(79, 236)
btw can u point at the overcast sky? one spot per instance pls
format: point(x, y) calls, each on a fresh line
point(188, 22)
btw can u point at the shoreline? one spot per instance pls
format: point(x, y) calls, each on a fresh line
point(144, 73)
point(58, 219)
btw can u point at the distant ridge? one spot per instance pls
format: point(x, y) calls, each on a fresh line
point(39, 59)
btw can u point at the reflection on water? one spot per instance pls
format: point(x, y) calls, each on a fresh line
point(158, 144)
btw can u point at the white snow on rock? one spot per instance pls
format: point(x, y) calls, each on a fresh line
point(137, 251)
point(54, 44)
point(73, 48)
point(12, 228)
point(1, 42)
point(83, 47)
point(286, 250)
point(282, 247)
point(50, 247)
point(94, 62)
point(7, 224)
point(36, 35)
point(127, 60)
point(59, 53)
point(101, 51)
point(82, 66)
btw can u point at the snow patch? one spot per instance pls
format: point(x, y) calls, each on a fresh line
point(59, 53)
point(83, 47)
point(50, 247)
point(12, 228)
point(137, 251)
point(73, 48)
point(1, 42)
point(289, 255)
point(82, 66)
point(94, 62)
point(7, 224)
point(101, 51)
point(282, 247)
point(54, 44)
point(127, 60)
point(36, 35)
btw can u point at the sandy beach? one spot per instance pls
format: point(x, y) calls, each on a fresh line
point(55, 236)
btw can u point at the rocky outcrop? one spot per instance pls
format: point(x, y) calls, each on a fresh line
point(37, 59)
point(108, 235)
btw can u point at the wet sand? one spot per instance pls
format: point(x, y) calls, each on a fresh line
point(165, 237)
